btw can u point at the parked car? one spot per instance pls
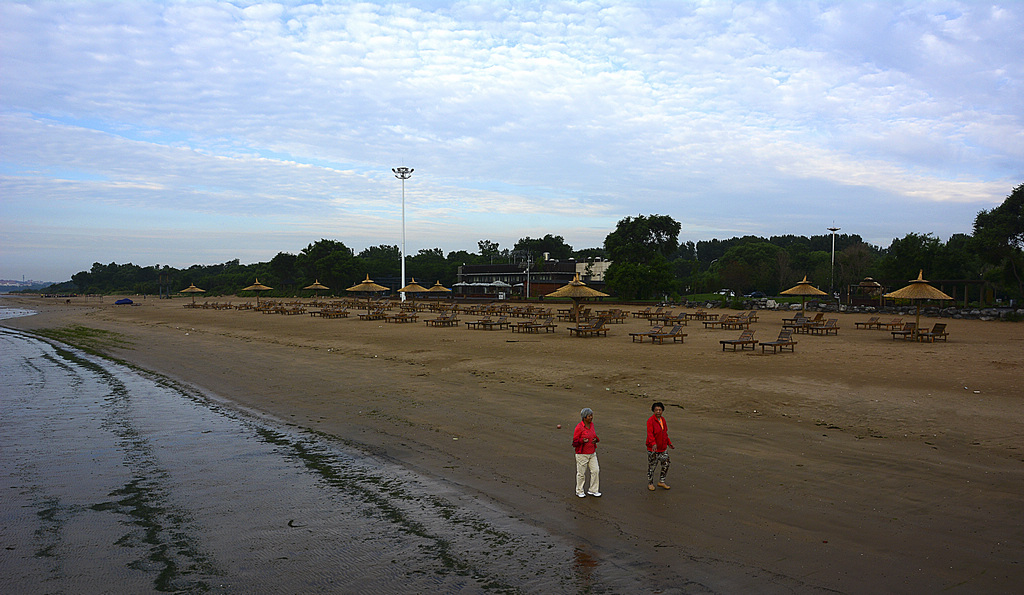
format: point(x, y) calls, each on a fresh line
point(727, 292)
point(756, 295)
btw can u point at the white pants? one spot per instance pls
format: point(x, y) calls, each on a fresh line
point(582, 463)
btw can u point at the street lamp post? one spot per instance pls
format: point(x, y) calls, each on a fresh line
point(832, 273)
point(403, 173)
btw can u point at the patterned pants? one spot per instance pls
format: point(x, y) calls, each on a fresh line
point(653, 458)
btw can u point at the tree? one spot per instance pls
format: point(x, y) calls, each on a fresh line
point(751, 266)
point(429, 266)
point(382, 261)
point(999, 236)
point(488, 250)
point(639, 249)
point(905, 257)
point(554, 246)
point(641, 239)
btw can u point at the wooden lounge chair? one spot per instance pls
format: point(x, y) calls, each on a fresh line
point(547, 325)
point(445, 319)
point(671, 319)
point(830, 327)
point(596, 327)
point(404, 316)
point(872, 322)
point(498, 324)
point(646, 312)
point(535, 326)
point(377, 314)
point(675, 333)
point(785, 341)
point(475, 324)
point(908, 332)
point(746, 338)
point(737, 323)
point(718, 323)
point(892, 325)
point(639, 337)
point(937, 333)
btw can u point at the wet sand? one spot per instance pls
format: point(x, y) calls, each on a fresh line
point(856, 464)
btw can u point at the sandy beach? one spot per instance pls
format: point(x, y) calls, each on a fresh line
point(857, 464)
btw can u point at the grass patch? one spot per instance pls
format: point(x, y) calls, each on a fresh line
point(89, 340)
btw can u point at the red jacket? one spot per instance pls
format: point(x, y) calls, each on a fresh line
point(582, 431)
point(657, 435)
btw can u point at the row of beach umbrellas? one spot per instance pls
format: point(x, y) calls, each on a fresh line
point(577, 291)
point(366, 286)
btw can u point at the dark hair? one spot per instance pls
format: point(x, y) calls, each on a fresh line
point(658, 404)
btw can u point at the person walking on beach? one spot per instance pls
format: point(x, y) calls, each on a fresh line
point(584, 440)
point(657, 445)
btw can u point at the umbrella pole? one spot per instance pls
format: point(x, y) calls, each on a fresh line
point(917, 325)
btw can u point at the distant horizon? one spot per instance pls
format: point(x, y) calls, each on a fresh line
point(172, 132)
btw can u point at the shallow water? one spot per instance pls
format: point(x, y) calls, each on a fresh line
point(117, 480)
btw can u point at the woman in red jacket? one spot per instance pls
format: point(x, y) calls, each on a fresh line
point(584, 441)
point(657, 445)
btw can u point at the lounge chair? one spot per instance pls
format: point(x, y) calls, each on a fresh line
point(675, 333)
point(721, 319)
point(445, 319)
point(404, 316)
point(737, 323)
point(491, 325)
point(671, 319)
point(830, 327)
point(472, 324)
point(641, 336)
point(377, 314)
point(937, 333)
point(892, 325)
point(746, 338)
point(596, 327)
point(536, 325)
point(646, 312)
point(872, 322)
point(785, 341)
point(909, 331)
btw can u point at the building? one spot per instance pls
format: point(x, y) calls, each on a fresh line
point(502, 281)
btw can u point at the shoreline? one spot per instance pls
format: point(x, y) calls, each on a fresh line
point(856, 464)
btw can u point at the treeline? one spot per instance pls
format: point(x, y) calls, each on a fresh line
point(648, 261)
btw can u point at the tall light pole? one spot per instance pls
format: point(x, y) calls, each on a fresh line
point(403, 173)
point(832, 274)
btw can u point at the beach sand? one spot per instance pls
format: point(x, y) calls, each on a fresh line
point(857, 464)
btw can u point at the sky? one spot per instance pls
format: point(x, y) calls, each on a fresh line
point(180, 133)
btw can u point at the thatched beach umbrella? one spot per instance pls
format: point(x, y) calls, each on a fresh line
point(257, 287)
point(193, 290)
point(803, 289)
point(316, 287)
point(413, 287)
point(367, 287)
point(438, 288)
point(918, 290)
point(577, 291)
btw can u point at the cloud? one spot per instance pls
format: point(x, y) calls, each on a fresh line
point(554, 113)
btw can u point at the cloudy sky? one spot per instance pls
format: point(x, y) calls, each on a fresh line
point(203, 131)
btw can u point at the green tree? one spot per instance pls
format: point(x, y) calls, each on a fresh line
point(640, 239)
point(999, 236)
point(382, 261)
point(751, 266)
point(428, 266)
point(555, 246)
point(905, 257)
point(639, 249)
